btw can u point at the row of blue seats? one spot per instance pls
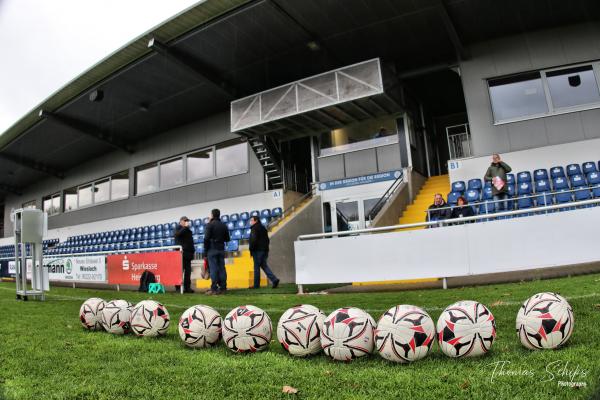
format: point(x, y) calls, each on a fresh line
point(9, 250)
point(231, 246)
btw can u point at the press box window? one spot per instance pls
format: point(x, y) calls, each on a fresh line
point(573, 87)
point(119, 188)
point(232, 159)
point(171, 173)
point(101, 191)
point(517, 96)
point(146, 178)
point(51, 204)
point(84, 194)
point(200, 165)
point(70, 199)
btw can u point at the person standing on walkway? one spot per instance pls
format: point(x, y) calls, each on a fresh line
point(216, 235)
point(259, 250)
point(184, 238)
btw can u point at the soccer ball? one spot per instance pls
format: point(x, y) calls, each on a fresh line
point(115, 317)
point(404, 333)
point(299, 330)
point(466, 329)
point(545, 321)
point(89, 313)
point(200, 326)
point(347, 333)
point(149, 318)
point(247, 329)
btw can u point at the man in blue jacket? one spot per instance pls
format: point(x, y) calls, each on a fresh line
point(216, 235)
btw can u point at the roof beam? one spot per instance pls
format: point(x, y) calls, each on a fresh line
point(88, 130)
point(193, 66)
point(32, 164)
point(462, 53)
point(10, 189)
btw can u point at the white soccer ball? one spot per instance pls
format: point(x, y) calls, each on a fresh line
point(545, 321)
point(89, 314)
point(200, 326)
point(299, 330)
point(115, 317)
point(466, 329)
point(149, 318)
point(247, 329)
point(347, 333)
point(404, 333)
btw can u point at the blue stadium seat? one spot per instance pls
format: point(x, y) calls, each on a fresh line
point(573, 169)
point(173, 225)
point(206, 220)
point(152, 235)
point(524, 190)
point(231, 225)
point(193, 229)
point(224, 219)
point(197, 222)
point(276, 212)
point(524, 177)
point(583, 193)
point(488, 194)
point(510, 178)
point(265, 220)
point(241, 224)
point(200, 229)
point(453, 198)
point(458, 187)
point(246, 234)
point(245, 216)
point(152, 228)
point(473, 196)
point(200, 248)
point(557, 172)
point(159, 234)
point(588, 166)
point(542, 186)
point(254, 213)
point(512, 191)
point(265, 213)
point(145, 229)
point(234, 217)
point(233, 245)
point(196, 238)
point(540, 174)
point(578, 181)
point(563, 196)
point(560, 183)
point(236, 234)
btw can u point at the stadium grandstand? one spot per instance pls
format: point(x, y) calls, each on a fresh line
point(336, 123)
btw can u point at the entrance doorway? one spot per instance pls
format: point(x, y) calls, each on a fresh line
point(348, 215)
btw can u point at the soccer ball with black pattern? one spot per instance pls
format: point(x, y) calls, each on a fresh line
point(404, 333)
point(545, 321)
point(347, 333)
point(89, 314)
point(299, 330)
point(150, 318)
point(247, 329)
point(200, 326)
point(115, 317)
point(466, 329)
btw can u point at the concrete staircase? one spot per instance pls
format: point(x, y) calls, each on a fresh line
point(416, 212)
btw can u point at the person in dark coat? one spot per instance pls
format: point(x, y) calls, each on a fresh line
point(259, 250)
point(439, 210)
point(184, 238)
point(462, 209)
point(496, 174)
point(216, 235)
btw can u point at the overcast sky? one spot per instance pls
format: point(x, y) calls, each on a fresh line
point(44, 44)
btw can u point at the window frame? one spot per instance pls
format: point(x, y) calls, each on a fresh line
point(51, 197)
point(552, 110)
point(92, 184)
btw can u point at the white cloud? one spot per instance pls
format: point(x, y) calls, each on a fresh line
point(45, 44)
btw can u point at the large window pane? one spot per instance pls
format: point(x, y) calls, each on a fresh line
point(518, 96)
point(47, 206)
point(85, 195)
point(200, 165)
point(171, 173)
point(573, 87)
point(51, 204)
point(120, 186)
point(146, 179)
point(70, 199)
point(232, 159)
point(55, 204)
point(101, 191)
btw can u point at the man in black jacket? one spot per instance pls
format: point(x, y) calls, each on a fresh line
point(216, 235)
point(259, 250)
point(184, 238)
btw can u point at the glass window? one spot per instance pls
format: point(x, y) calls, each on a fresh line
point(70, 199)
point(200, 165)
point(84, 194)
point(171, 173)
point(368, 205)
point(363, 134)
point(146, 178)
point(517, 96)
point(51, 204)
point(102, 191)
point(573, 86)
point(119, 186)
point(347, 216)
point(232, 159)
point(47, 205)
point(55, 204)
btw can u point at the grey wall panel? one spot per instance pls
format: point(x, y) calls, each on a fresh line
point(388, 158)
point(360, 162)
point(331, 168)
point(526, 52)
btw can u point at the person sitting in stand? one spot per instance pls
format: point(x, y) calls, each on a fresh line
point(439, 210)
point(462, 209)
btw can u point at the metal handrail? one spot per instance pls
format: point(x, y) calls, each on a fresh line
point(386, 196)
point(292, 208)
point(449, 221)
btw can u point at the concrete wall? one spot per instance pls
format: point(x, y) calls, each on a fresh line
point(177, 141)
point(281, 254)
point(405, 194)
point(361, 162)
point(526, 52)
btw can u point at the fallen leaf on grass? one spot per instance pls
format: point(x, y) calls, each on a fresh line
point(289, 390)
point(497, 303)
point(328, 373)
point(597, 306)
point(465, 385)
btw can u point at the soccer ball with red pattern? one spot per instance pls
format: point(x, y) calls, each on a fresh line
point(150, 318)
point(115, 317)
point(200, 326)
point(466, 329)
point(347, 333)
point(404, 333)
point(89, 314)
point(247, 329)
point(545, 321)
point(299, 330)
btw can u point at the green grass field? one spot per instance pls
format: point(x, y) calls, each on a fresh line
point(45, 353)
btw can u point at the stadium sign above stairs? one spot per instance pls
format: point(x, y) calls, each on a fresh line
point(360, 180)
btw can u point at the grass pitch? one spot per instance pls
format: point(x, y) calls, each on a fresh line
point(45, 353)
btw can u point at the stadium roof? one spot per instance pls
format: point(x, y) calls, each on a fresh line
point(196, 63)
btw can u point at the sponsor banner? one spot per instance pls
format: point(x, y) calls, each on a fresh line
point(76, 269)
point(12, 268)
point(126, 269)
point(360, 180)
